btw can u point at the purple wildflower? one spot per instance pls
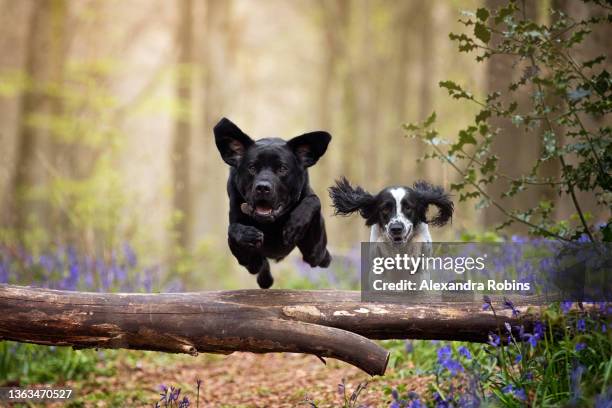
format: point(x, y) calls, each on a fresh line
point(444, 353)
point(509, 305)
point(520, 394)
point(532, 339)
point(465, 352)
point(581, 325)
point(518, 358)
point(341, 388)
point(487, 302)
point(184, 403)
point(494, 340)
point(566, 306)
point(580, 346)
point(445, 360)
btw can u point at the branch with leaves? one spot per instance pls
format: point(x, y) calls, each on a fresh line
point(565, 93)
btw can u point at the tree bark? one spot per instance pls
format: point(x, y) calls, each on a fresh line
point(325, 323)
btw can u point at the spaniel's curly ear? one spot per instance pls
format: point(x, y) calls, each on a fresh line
point(347, 200)
point(435, 195)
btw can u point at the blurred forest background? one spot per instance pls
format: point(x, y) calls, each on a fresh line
point(107, 109)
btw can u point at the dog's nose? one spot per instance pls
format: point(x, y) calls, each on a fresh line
point(396, 228)
point(263, 187)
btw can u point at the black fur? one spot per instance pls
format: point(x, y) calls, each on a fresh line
point(434, 195)
point(272, 207)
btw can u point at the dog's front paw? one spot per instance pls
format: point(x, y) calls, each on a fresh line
point(294, 231)
point(250, 237)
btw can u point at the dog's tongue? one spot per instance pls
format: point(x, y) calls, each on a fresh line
point(263, 210)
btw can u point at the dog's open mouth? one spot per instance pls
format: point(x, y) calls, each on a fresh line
point(397, 240)
point(262, 210)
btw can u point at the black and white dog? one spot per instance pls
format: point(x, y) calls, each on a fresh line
point(272, 207)
point(396, 214)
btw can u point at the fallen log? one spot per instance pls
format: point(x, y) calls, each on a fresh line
point(324, 323)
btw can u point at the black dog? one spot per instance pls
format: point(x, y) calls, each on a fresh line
point(396, 214)
point(272, 207)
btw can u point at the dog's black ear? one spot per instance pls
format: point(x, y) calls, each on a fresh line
point(309, 147)
point(231, 141)
point(347, 200)
point(435, 195)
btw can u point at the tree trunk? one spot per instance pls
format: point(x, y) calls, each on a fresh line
point(182, 127)
point(325, 323)
point(44, 65)
point(524, 147)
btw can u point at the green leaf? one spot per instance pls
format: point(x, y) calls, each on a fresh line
point(466, 138)
point(410, 127)
point(483, 115)
point(430, 120)
point(482, 32)
point(450, 85)
point(482, 14)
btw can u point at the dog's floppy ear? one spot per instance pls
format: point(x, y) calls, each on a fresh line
point(435, 195)
point(309, 147)
point(231, 141)
point(347, 200)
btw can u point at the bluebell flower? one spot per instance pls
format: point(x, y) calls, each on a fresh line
point(518, 358)
point(538, 329)
point(575, 379)
point(494, 340)
point(487, 302)
point(416, 403)
point(453, 366)
point(520, 394)
point(509, 305)
point(580, 346)
point(444, 353)
point(604, 400)
point(396, 401)
point(130, 255)
point(531, 339)
point(465, 352)
point(604, 327)
point(508, 389)
point(342, 389)
point(581, 325)
point(445, 360)
point(566, 306)
point(184, 403)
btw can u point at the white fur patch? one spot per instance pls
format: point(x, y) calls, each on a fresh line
point(399, 193)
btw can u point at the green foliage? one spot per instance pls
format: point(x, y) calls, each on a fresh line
point(566, 359)
point(23, 364)
point(567, 94)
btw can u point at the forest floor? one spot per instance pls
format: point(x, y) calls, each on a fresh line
point(236, 380)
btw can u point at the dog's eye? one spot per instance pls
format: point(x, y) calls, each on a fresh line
point(282, 169)
point(252, 169)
